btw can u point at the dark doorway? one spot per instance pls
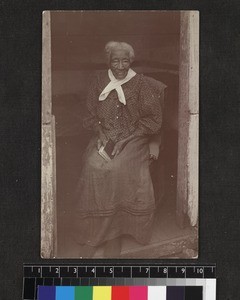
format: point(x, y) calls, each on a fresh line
point(76, 54)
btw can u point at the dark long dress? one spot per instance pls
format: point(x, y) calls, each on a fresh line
point(115, 198)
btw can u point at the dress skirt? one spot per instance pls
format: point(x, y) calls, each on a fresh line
point(114, 198)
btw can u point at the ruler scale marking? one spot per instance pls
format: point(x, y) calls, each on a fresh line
point(100, 275)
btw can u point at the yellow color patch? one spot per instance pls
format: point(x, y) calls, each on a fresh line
point(102, 292)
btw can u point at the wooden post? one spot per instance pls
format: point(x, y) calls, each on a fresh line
point(48, 187)
point(187, 185)
point(193, 145)
point(48, 191)
point(46, 69)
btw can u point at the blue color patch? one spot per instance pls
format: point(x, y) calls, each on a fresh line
point(46, 292)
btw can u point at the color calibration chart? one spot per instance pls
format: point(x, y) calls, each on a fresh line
point(119, 282)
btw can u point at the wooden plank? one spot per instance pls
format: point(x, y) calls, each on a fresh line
point(187, 185)
point(54, 186)
point(193, 153)
point(46, 69)
point(194, 62)
point(183, 122)
point(48, 187)
point(184, 246)
point(47, 191)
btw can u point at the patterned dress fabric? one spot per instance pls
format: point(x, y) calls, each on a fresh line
point(116, 198)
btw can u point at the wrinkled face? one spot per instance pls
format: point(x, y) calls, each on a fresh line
point(119, 63)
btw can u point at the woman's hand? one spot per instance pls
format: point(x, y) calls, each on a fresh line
point(102, 140)
point(121, 144)
point(119, 147)
point(152, 158)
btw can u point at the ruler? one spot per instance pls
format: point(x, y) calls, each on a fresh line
point(117, 275)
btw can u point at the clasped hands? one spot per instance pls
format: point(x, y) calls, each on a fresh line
point(102, 141)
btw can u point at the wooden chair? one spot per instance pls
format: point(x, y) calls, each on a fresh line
point(156, 144)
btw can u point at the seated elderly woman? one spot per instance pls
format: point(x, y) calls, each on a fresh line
point(116, 197)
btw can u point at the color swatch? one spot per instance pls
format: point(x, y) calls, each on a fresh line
point(100, 282)
point(120, 293)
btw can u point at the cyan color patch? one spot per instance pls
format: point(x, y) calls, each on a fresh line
point(65, 293)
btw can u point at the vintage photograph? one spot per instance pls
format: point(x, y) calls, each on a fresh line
point(120, 98)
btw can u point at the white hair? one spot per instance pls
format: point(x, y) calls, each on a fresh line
point(112, 45)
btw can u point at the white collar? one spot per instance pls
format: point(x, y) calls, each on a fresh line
point(115, 84)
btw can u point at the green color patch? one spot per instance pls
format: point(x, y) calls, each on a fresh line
point(83, 293)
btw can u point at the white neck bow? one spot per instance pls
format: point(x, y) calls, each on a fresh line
point(115, 84)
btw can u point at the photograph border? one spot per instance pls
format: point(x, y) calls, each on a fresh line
point(188, 140)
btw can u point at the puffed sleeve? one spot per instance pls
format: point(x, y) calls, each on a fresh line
point(150, 101)
point(91, 121)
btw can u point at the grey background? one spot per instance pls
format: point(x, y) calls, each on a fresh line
point(20, 88)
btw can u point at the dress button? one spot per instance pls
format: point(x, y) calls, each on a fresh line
point(117, 105)
point(117, 117)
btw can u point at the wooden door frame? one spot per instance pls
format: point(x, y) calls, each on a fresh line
point(48, 163)
point(188, 120)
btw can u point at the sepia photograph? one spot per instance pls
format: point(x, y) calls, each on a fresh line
point(120, 114)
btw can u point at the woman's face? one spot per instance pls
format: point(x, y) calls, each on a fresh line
point(119, 63)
